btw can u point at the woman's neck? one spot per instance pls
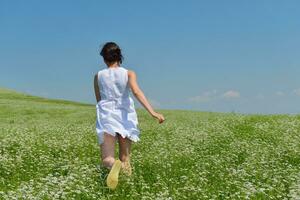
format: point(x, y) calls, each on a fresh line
point(113, 65)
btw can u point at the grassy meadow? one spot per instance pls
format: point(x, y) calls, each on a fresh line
point(49, 150)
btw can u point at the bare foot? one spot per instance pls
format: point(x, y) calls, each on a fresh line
point(126, 168)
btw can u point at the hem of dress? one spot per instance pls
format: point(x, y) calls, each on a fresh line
point(132, 137)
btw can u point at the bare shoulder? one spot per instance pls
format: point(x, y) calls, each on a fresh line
point(131, 73)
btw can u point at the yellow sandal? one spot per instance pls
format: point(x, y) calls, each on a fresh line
point(113, 176)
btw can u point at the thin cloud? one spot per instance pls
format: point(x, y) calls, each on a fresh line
point(297, 92)
point(279, 93)
point(154, 103)
point(231, 94)
point(204, 97)
point(260, 96)
point(213, 95)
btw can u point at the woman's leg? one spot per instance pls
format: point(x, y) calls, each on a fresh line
point(124, 153)
point(124, 148)
point(108, 150)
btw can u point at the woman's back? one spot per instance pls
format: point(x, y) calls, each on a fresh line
point(113, 83)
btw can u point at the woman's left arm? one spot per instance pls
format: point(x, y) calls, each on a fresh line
point(96, 88)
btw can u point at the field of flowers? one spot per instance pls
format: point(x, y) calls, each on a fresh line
point(48, 150)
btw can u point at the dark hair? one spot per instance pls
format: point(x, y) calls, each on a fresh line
point(111, 52)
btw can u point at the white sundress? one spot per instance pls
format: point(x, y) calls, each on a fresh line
point(116, 110)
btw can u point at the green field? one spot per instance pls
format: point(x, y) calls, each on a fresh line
point(49, 150)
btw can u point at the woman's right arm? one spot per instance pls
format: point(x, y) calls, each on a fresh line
point(96, 88)
point(138, 93)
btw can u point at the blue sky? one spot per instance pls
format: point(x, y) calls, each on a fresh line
point(223, 56)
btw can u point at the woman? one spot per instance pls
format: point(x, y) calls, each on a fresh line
point(116, 115)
